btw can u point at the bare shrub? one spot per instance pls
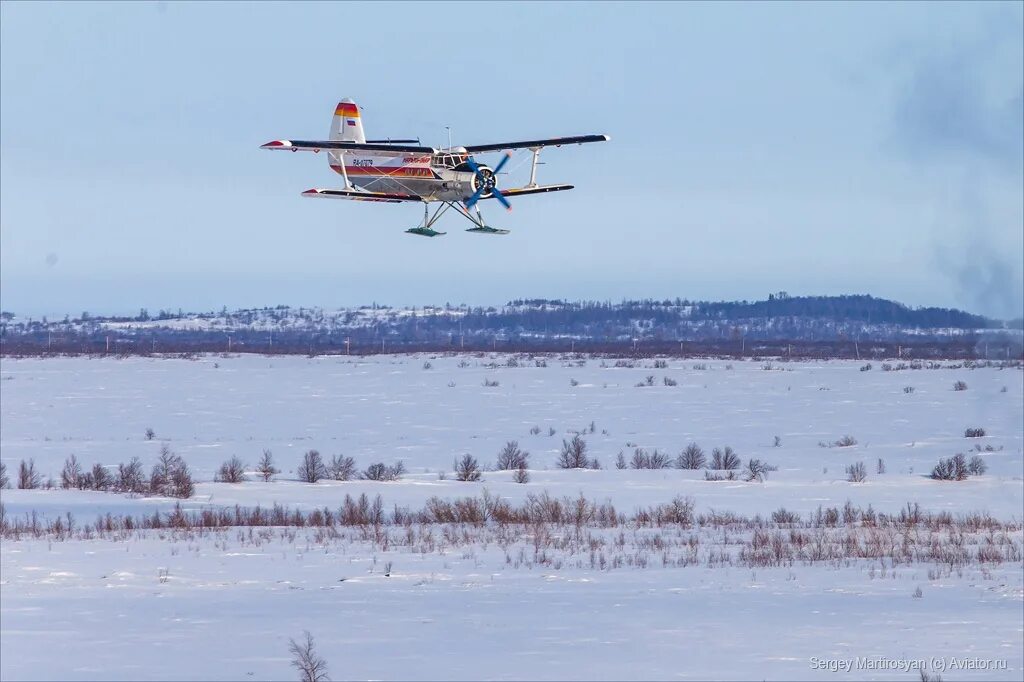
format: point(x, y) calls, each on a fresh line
point(150, 434)
point(976, 466)
point(312, 468)
point(918, 593)
point(375, 472)
point(660, 460)
point(574, 454)
point(856, 473)
point(757, 470)
point(535, 431)
point(908, 389)
point(161, 480)
point(491, 384)
point(381, 472)
point(668, 381)
point(960, 386)
point(880, 468)
point(100, 478)
point(511, 457)
point(573, 383)
point(266, 466)
point(866, 368)
point(680, 511)
point(692, 457)
point(783, 515)
point(845, 442)
point(311, 667)
point(161, 473)
point(649, 460)
point(724, 460)
point(522, 475)
point(467, 469)
point(777, 443)
point(28, 477)
point(71, 474)
point(728, 476)
point(130, 477)
point(427, 365)
point(951, 469)
point(231, 471)
point(342, 468)
point(551, 431)
point(974, 433)
point(5, 482)
point(182, 485)
point(620, 461)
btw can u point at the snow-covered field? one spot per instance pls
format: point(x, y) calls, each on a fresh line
point(221, 606)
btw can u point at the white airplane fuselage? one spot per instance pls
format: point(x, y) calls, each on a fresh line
point(441, 176)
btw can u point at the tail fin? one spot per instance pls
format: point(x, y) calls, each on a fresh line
point(347, 124)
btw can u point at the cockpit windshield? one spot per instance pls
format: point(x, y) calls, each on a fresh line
point(446, 160)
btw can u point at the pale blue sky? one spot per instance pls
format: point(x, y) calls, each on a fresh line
point(813, 148)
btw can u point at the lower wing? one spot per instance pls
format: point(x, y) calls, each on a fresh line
point(539, 189)
point(393, 198)
point(358, 195)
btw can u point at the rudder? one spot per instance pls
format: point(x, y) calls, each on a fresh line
point(347, 124)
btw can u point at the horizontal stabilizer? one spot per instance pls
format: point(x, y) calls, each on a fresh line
point(339, 145)
point(359, 195)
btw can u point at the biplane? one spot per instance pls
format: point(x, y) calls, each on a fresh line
point(403, 170)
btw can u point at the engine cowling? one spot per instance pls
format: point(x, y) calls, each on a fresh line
point(484, 181)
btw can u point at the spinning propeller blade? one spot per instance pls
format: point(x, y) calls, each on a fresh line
point(501, 164)
point(501, 197)
point(470, 202)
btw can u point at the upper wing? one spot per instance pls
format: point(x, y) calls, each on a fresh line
point(536, 144)
point(317, 145)
point(360, 195)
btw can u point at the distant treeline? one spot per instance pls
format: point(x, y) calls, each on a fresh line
point(807, 326)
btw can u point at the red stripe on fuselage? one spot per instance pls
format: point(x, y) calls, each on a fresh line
point(385, 172)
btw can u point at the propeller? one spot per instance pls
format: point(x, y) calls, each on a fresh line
point(485, 181)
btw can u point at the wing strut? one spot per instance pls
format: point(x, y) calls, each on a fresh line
point(533, 167)
point(344, 173)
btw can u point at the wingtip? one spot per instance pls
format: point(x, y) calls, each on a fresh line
point(275, 144)
point(311, 192)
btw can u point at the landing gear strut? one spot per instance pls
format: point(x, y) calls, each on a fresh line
point(426, 229)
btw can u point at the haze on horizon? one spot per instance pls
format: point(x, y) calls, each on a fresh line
point(818, 149)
